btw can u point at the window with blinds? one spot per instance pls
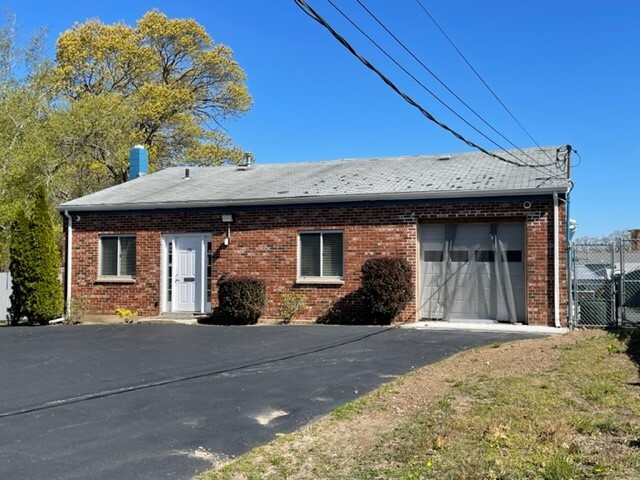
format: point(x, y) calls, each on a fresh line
point(118, 256)
point(321, 254)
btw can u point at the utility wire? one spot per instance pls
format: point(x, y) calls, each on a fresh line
point(442, 102)
point(306, 8)
point(495, 95)
point(438, 79)
point(563, 157)
point(579, 158)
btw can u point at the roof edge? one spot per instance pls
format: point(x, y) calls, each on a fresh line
point(368, 197)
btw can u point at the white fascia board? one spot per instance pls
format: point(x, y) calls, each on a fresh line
point(368, 197)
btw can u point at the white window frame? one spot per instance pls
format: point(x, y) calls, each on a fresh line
point(335, 280)
point(118, 277)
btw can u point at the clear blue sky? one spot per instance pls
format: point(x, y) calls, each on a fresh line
point(569, 70)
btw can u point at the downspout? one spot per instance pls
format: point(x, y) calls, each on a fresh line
point(569, 263)
point(69, 262)
point(556, 263)
point(568, 255)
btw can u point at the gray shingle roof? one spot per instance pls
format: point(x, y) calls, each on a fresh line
point(410, 177)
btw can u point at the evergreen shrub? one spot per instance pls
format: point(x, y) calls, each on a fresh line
point(386, 287)
point(242, 299)
point(35, 265)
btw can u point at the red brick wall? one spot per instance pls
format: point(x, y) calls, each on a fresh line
point(264, 245)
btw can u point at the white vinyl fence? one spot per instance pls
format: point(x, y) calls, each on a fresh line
point(5, 292)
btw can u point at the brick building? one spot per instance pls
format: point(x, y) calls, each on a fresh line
point(485, 236)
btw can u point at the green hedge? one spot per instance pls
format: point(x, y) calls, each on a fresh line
point(242, 299)
point(35, 264)
point(386, 287)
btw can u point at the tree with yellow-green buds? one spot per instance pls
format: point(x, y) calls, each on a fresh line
point(163, 83)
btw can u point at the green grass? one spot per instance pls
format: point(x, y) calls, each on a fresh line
point(544, 426)
point(578, 420)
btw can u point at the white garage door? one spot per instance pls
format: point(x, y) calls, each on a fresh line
point(473, 271)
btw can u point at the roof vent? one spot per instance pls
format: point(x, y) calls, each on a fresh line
point(443, 158)
point(246, 163)
point(186, 174)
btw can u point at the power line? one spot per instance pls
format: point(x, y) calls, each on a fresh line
point(308, 10)
point(495, 95)
point(442, 102)
point(438, 79)
point(579, 158)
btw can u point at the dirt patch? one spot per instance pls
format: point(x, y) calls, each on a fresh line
point(266, 417)
point(352, 438)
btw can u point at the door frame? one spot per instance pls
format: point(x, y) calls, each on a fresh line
point(167, 306)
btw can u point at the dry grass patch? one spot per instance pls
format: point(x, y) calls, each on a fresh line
point(555, 408)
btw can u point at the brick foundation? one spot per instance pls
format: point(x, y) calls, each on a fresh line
point(264, 245)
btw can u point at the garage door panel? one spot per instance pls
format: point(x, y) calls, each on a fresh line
point(469, 281)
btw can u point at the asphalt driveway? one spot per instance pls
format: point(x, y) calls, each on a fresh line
point(168, 401)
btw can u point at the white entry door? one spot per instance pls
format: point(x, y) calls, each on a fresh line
point(188, 274)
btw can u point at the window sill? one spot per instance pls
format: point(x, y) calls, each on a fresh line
point(116, 280)
point(319, 281)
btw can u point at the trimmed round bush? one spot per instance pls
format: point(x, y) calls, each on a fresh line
point(242, 299)
point(386, 287)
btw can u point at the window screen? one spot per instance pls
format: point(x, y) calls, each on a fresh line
point(127, 256)
point(321, 254)
point(310, 255)
point(109, 256)
point(118, 256)
point(332, 254)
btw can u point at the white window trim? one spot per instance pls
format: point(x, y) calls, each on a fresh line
point(115, 278)
point(319, 280)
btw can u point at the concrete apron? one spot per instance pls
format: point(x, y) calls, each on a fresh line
point(185, 319)
point(486, 327)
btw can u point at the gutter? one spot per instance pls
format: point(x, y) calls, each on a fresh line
point(366, 197)
point(69, 263)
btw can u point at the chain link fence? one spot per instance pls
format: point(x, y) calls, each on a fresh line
point(593, 289)
point(605, 284)
point(629, 289)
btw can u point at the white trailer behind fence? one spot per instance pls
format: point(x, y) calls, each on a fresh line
point(5, 292)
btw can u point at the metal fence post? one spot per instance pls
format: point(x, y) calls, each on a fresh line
point(571, 273)
point(612, 284)
point(621, 293)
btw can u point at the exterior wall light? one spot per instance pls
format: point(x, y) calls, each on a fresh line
point(228, 219)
